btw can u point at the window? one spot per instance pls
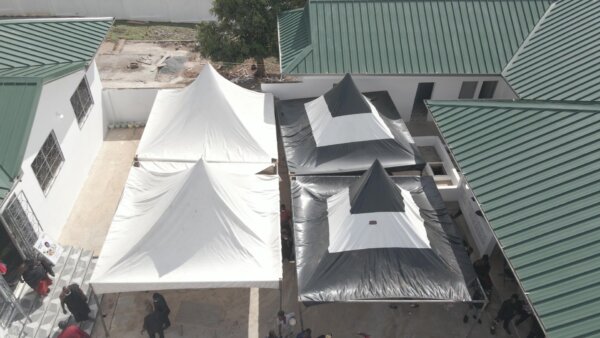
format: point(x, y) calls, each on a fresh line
point(424, 92)
point(47, 163)
point(467, 91)
point(22, 223)
point(487, 89)
point(82, 101)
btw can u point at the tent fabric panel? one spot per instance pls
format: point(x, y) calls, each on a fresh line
point(212, 119)
point(210, 223)
point(345, 99)
point(443, 272)
point(304, 157)
point(332, 130)
point(373, 230)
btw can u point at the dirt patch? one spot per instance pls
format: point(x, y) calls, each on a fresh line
point(169, 64)
point(133, 30)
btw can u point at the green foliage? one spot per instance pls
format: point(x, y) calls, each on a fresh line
point(244, 29)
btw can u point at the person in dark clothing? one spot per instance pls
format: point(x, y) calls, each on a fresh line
point(523, 310)
point(507, 312)
point(36, 273)
point(76, 301)
point(482, 269)
point(160, 306)
point(153, 323)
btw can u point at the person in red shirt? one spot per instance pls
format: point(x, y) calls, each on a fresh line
point(71, 331)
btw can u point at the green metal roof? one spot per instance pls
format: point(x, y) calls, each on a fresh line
point(561, 59)
point(405, 36)
point(534, 167)
point(19, 98)
point(48, 48)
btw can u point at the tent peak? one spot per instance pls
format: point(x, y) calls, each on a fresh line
point(345, 99)
point(375, 191)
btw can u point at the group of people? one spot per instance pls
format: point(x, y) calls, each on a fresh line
point(287, 237)
point(286, 323)
point(157, 320)
point(510, 308)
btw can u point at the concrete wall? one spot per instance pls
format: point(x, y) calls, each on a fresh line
point(449, 192)
point(147, 10)
point(402, 89)
point(128, 105)
point(78, 145)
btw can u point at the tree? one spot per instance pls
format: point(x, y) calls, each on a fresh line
point(244, 29)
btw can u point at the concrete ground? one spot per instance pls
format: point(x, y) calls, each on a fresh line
point(97, 202)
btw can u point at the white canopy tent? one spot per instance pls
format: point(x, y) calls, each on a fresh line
point(210, 225)
point(212, 119)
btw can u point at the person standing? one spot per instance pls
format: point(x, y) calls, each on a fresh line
point(160, 306)
point(153, 323)
point(36, 273)
point(76, 301)
point(507, 312)
point(286, 323)
point(71, 331)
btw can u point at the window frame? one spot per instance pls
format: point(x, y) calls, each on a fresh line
point(86, 112)
point(51, 176)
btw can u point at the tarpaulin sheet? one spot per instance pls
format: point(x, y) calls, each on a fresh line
point(437, 270)
point(206, 226)
point(390, 141)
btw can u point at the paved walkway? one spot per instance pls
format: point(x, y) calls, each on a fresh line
point(97, 202)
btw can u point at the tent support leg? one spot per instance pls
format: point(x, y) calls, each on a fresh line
point(100, 312)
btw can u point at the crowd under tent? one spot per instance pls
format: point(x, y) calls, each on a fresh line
point(345, 131)
point(213, 119)
point(211, 225)
point(377, 237)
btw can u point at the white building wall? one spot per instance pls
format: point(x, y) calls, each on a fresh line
point(128, 105)
point(402, 89)
point(192, 11)
point(78, 145)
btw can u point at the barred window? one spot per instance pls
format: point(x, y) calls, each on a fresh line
point(22, 222)
point(48, 162)
point(82, 101)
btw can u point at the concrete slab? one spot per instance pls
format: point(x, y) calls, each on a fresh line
point(97, 202)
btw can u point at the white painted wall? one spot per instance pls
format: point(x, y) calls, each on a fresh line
point(402, 89)
point(79, 147)
point(128, 105)
point(449, 192)
point(147, 10)
point(478, 227)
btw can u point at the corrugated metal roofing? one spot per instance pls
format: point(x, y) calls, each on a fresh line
point(19, 98)
point(405, 36)
point(534, 167)
point(561, 59)
point(44, 47)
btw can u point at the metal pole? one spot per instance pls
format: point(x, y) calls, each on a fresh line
point(100, 312)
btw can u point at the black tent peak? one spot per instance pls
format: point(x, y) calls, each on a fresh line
point(375, 191)
point(346, 99)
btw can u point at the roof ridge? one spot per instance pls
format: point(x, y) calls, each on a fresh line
point(61, 19)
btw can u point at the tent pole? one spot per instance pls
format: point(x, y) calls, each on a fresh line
point(99, 313)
